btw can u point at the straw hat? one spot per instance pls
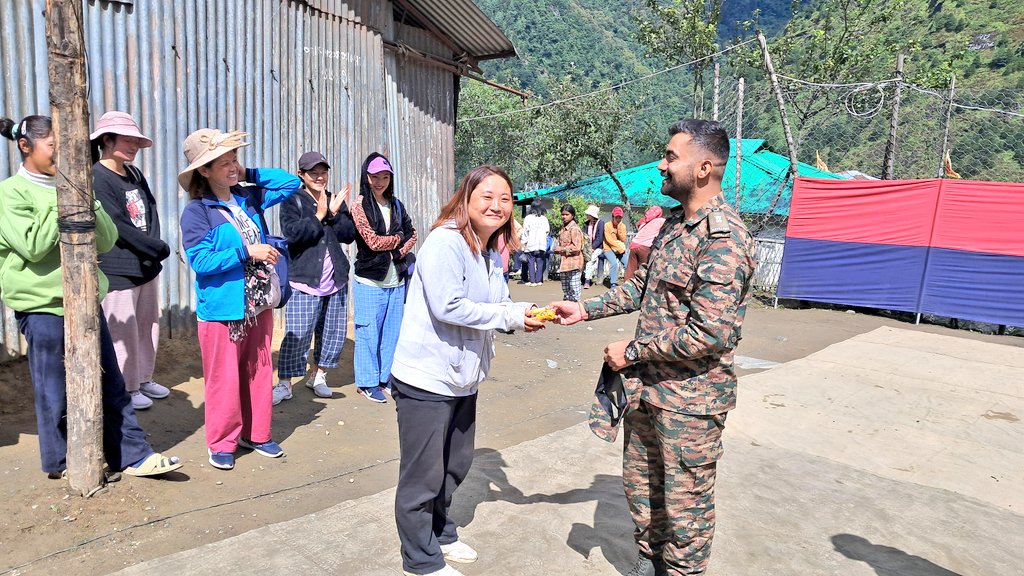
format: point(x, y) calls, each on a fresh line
point(122, 124)
point(206, 145)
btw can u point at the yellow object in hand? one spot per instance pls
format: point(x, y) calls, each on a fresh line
point(546, 314)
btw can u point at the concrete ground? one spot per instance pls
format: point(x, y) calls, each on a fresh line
point(896, 452)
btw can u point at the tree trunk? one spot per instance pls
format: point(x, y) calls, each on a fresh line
point(627, 208)
point(70, 110)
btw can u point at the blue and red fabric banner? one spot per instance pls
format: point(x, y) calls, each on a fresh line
point(947, 247)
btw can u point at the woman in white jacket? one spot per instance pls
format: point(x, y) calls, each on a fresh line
point(457, 298)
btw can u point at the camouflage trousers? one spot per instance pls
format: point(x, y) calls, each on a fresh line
point(668, 472)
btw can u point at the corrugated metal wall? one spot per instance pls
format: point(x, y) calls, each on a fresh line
point(295, 75)
point(421, 114)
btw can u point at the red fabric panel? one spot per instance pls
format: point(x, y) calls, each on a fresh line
point(980, 217)
point(869, 211)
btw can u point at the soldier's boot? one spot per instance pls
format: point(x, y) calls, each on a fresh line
point(644, 566)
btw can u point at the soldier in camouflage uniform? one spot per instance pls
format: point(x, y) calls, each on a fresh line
point(692, 297)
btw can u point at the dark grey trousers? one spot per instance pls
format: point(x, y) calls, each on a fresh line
point(436, 439)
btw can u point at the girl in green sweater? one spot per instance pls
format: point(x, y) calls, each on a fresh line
point(30, 284)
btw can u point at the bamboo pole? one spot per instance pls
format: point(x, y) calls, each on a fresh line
point(77, 223)
point(739, 147)
point(945, 130)
point(782, 104)
point(714, 101)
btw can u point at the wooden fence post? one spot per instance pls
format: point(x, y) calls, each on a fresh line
point(888, 164)
point(70, 110)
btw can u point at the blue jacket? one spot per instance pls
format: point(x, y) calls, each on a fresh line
point(214, 247)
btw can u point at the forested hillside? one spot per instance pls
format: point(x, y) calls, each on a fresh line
point(569, 47)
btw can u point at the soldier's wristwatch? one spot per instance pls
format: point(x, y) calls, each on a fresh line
point(632, 352)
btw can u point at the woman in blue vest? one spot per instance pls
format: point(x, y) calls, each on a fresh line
point(224, 234)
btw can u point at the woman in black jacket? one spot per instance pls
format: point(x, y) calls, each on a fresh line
point(316, 224)
point(385, 237)
point(132, 305)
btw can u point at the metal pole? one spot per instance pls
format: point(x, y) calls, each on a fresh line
point(945, 129)
point(890, 145)
point(782, 105)
point(714, 102)
point(739, 147)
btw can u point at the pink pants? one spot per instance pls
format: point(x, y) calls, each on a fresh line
point(238, 383)
point(133, 316)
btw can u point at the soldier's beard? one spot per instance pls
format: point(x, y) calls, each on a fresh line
point(680, 191)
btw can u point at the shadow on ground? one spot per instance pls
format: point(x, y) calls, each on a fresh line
point(886, 560)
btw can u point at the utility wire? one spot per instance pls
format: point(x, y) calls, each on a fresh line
point(607, 88)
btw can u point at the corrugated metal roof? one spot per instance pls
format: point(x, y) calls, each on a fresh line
point(763, 171)
point(467, 27)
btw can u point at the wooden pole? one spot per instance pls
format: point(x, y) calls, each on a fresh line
point(889, 162)
point(714, 101)
point(70, 110)
point(739, 147)
point(945, 130)
point(782, 105)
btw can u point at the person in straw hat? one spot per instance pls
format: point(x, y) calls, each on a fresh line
point(223, 233)
point(132, 306)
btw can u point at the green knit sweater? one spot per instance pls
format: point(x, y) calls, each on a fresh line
point(30, 273)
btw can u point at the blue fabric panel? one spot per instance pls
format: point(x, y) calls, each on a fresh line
point(974, 286)
point(857, 274)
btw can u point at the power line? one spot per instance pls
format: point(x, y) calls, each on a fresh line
point(607, 88)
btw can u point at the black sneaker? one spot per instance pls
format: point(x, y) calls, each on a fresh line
point(644, 566)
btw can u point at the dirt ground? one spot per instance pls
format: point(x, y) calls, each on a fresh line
point(337, 449)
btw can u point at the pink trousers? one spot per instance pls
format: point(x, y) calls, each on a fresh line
point(133, 316)
point(238, 383)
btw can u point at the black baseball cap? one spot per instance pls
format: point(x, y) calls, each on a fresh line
point(310, 159)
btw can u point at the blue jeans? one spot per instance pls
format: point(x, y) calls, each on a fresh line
point(535, 259)
point(613, 264)
point(124, 442)
point(378, 320)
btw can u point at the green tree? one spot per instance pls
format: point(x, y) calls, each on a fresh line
point(584, 131)
point(682, 31)
point(491, 129)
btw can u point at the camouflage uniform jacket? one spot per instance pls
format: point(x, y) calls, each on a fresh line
point(692, 296)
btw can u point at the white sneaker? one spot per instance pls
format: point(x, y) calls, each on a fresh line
point(446, 571)
point(459, 552)
point(283, 391)
point(318, 384)
point(154, 390)
point(140, 402)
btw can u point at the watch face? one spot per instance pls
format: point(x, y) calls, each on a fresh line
point(631, 353)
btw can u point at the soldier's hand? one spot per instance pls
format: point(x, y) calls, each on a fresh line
point(615, 355)
point(568, 312)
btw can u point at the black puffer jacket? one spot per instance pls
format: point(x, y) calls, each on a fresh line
point(308, 238)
